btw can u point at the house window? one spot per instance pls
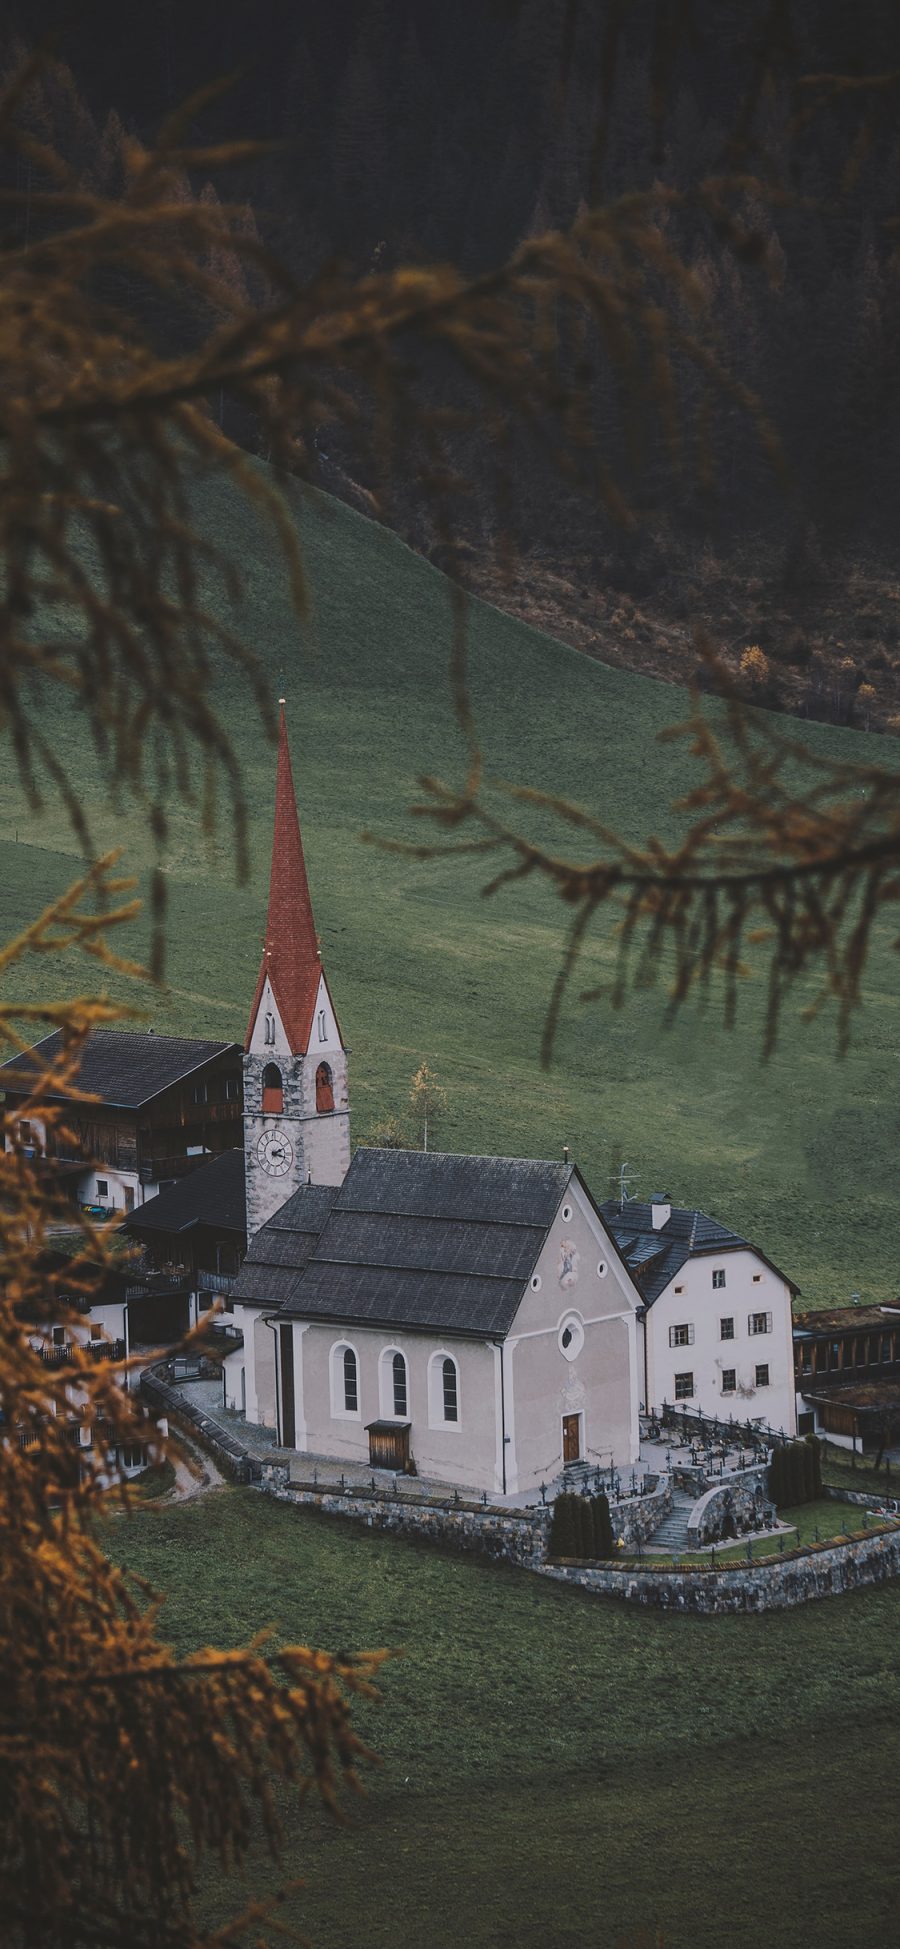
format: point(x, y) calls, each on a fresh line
point(757, 1278)
point(132, 1456)
point(96, 1330)
point(398, 1376)
point(718, 1278)
point(351, 1383)
point(729, 1380)
point(323, 1027)
point(270, 1028)
point(684, 1387)
point(681, 1336)
point(103, 1187)
point(448, 1382)
point(200, 1093)
point(272, 1091)
point(324, 1089)
point(679, 1289)
point(760, 1323)
point(762, 1376)
point(726, 1329)
point(232, 1089)
point(59, 1336)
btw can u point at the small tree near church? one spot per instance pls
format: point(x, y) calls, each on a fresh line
point(429, 1102)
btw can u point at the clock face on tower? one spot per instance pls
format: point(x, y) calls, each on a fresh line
point(275, 1152)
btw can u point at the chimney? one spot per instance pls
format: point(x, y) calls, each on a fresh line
point(660, 1209)
point(565, 1153)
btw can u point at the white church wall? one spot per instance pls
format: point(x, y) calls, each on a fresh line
point(464, 1452)
point(577, 1282)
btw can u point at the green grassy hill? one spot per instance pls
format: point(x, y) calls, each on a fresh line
point(559, 1772)
point(801, 1154)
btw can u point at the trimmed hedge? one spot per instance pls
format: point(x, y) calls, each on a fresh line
point(795, 1473)
point(581, 1527)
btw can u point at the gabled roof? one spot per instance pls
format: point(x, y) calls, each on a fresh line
point(282, 1248)
point(123, 1067)
point(426, 1241)
point(655, 1257)
point(291, 953)
point(213, 1195)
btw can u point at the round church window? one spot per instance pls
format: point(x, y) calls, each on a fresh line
point(571, 1337)
point(602, 1269)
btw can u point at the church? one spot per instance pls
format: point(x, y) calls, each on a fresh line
point(481, 1321)
point(470, 1318)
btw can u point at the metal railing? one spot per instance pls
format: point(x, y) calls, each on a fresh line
point(160, 1286)
point(216, 1282)
point(96, 1349)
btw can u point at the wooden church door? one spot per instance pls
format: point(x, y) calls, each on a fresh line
point(571, 1438)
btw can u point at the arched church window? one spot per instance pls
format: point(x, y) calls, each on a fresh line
point(270, 1026)
point(451, 1397)
point(398, 1376)
point(323, 1026)
point(351, 1385)
point(324, 1088)
point(272, 1090)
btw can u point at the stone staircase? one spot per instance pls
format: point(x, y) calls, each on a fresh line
point(671, 1538)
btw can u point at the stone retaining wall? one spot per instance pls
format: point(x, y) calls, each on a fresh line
point(861, 1497)
point(822, 1570)
point(225, 1450)
point(697, 1480)
point(635, 1520)
point(511, 1538)
point(741, 1506)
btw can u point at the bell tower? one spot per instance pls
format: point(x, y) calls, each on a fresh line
point(296, 1111)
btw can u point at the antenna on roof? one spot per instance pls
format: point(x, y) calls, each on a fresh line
point(622, 1178)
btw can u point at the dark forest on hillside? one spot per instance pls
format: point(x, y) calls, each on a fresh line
point(409, 132)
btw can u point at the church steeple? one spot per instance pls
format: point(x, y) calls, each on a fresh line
point(296, 1111)
point(291, 957)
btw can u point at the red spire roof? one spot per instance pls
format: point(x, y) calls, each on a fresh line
point(291, 954)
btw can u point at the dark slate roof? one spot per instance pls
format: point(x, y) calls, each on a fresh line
point(212, 1195)
point(282, 1248)
point(656, 1257)
point(123, 1068)
point(424, 1241)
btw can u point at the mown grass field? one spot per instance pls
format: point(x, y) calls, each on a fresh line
point(801, 1154)
point(559, 1771)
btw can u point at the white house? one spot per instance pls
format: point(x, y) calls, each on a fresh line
point(716, 1330)
point(469, 1316)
